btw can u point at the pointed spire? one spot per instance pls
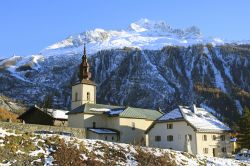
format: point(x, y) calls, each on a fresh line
point(84, 50)
point(84, 67)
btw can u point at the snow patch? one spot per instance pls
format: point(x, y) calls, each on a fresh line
point(99, 109)
point(239, 107)
point(219, 82)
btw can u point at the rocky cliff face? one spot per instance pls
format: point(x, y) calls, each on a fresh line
point(215, 77)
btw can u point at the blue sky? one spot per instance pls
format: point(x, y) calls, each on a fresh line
point(28, 26)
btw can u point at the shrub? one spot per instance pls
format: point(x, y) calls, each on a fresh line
point(5, 115)
point(148, 158)
point(67, 155)
point(112, 156)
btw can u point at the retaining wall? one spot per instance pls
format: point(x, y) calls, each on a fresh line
point(77, 132)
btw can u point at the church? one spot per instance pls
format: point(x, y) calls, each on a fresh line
point(106, 122)
point(189, 129)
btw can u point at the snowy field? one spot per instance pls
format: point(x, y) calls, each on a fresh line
point(26, 148)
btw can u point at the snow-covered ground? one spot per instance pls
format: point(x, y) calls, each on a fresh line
point(46, 147)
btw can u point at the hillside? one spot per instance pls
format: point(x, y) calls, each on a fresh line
point(11, 106)
point(149, 64)
point(17, 148)
point(216, 77)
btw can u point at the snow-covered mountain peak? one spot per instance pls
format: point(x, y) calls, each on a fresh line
point(148, 25)
point(142, 34)
point(161, 28)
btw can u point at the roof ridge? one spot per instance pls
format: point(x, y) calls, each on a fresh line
point(105, 105)
point(182, 114)
point(142, 108)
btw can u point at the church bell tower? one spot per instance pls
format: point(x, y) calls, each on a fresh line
point(85, 90)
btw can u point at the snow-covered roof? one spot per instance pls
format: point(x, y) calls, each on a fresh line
point(102, 131)
point(54, 113)
point(99, 109)
point(115, 112)
point(172, 115)
point(58, 114)
point(199, 118)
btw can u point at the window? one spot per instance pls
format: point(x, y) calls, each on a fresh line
point(223, 149)
point(88, 96)
point(205, 150)
point(106, 138)
point(157, 138)
point(133, 125)
point(170, 138)
point(214, 137)
point(222, 137)
point(169, 126)
point(190, 137)
point(76, 96)
point(112, 138)
point(204, 137)
point(94, 124)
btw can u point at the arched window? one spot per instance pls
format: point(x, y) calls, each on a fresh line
point(88, 96)
point(76, 96)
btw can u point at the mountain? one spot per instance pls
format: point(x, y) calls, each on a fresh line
point(149, 64)
point(142, 34)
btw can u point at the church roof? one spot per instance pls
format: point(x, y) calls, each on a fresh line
point(93, 108)
point(131, 112)
point(121, 111)
point(89, 82)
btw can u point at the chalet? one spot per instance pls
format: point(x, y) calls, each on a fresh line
point(190, 129)
point(53, 117)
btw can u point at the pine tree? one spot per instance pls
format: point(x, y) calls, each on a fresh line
point(48, 101)
point(244, 129)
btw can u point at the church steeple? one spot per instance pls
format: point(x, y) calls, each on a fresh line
point(84, 67)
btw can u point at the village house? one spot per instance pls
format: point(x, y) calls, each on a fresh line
point(106, 122)
point(44, 116)
point(190, 129)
